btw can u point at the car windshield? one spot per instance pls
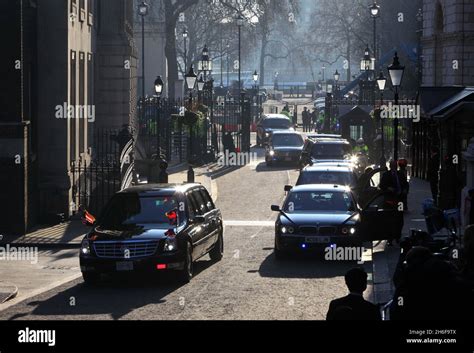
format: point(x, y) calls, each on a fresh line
point(310, 201)
point(127, 211)
point(276, 123)
point(327, 177)
point(287, 140)
point(330, 150)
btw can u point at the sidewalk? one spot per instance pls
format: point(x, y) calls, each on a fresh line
point(70, 234)
point(385, 258)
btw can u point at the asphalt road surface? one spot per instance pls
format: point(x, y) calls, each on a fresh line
point(248, 284)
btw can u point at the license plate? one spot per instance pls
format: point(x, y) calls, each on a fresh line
point(317, 240)
point(124, 266)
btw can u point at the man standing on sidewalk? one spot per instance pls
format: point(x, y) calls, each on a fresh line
point(393, 183)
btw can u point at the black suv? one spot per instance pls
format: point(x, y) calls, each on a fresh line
point(270, 123)
point(325, 149)
point(153, 228)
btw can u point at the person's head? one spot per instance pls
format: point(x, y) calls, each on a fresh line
point(356, 280)
point(305, 109)
point(393, 165)
point(417, 256)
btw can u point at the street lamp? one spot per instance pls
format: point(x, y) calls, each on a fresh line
point(367, 63)
point(396, 75)
point(381, 82)
point(191, 79)
point(375, 13)
point(185, 37)
point(205, 64)
point(159, 86)
point(143, 11)
point(240, 23)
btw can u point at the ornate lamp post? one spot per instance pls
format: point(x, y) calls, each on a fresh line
point(381, 82)
point(396, 75)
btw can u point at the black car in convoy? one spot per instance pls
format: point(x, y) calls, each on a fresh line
point(317, 216)
point(270, 123)
point(284, 146)
point(325, 149)
point(323, 174)
point(153, 228)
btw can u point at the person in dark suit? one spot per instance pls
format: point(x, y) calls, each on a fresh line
point(353, 306)
point(393, 183)
point(433, 172)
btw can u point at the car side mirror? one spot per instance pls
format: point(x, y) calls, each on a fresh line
point(275, 208)
point(199, 219)
point(288, 188)
point(88, 219)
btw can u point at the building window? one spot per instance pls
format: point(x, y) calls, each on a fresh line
point(72, 102)
point(82, 10)
point(90, 12)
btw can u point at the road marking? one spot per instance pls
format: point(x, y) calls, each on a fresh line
point(39, 291)
point(249, 223)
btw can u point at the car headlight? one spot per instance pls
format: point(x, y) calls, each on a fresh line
point(348, 230)
point(170, 244)
point(267, 134)
point(271, 153)
point(85, 247)
point(287, 230)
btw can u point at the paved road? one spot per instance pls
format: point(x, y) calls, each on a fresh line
point(247, 284)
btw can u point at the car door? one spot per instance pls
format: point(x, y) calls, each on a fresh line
point(368, 186)
point(195, 229)
point(377, 221)
point(205, 235)
point(215, 223)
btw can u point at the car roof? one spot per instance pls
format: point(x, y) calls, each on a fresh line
point(286, 132)
point(320, 187)
point(275, 116)
point(160, 189)
point(327, 168)
point(331, 141)
point(328, 136)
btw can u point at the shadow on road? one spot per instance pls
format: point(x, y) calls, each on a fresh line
point(262, 167)
point(311, 265)
point(115, 296)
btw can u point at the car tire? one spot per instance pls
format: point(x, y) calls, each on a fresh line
point(217, 251)
point(186, 274)
point(91, 278)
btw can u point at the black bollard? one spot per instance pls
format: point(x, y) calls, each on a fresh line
point(163, 177)
point(190, 175)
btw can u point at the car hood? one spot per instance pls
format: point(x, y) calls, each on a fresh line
point(139, 233)
point(315, 219)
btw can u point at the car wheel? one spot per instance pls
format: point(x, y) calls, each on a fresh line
point(91, 278)
point(217, 251)
point(186, 273)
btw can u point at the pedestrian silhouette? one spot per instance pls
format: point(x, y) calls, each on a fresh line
point(353, 306)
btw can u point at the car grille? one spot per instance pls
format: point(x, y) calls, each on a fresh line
point(118, 249)
point(317, 230)
point(309, 230)
point(327, 230)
